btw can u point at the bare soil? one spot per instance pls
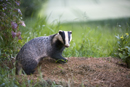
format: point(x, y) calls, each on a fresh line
point(90, 72)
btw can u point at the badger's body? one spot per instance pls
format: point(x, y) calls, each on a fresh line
point(38, 48)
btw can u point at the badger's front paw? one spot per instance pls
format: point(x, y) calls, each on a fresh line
point(61, 61)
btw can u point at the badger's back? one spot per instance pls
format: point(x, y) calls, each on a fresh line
point(35, 48)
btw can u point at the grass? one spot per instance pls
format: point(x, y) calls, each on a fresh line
point(90, 39)
point(9, 79)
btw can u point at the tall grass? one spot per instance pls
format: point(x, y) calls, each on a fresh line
point(91, 39)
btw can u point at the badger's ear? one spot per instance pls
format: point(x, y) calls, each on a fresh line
point(60, 31)
point(70, 32)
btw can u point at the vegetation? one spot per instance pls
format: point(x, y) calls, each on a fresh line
point(124, 48)
point(11, 19)
point(91, 39)
point(31, 7)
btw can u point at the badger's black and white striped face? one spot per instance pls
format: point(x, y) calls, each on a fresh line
point(65, 37)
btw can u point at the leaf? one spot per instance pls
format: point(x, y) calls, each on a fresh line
point(121, 56)
point(118, 42)
point(29, 81)
point(61, 67)
point(118, 37)
point(3, 84)
point(128, 48)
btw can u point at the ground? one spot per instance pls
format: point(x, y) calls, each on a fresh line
point(90, 72)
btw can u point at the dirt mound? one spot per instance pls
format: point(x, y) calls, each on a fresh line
point(87, 71)
point(99, 72)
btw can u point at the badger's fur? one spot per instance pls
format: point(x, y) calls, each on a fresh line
point(38, 48)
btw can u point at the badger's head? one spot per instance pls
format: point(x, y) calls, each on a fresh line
point(65, 37)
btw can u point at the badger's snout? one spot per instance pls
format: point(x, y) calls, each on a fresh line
point(67, 45)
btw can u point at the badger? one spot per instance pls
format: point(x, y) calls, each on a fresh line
point(33, 52)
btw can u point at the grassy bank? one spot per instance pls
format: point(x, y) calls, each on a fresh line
point(90, 39)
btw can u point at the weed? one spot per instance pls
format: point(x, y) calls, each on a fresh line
point(123, 50)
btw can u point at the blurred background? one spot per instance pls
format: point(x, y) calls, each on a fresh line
point(95, 24)
point(85, 10)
